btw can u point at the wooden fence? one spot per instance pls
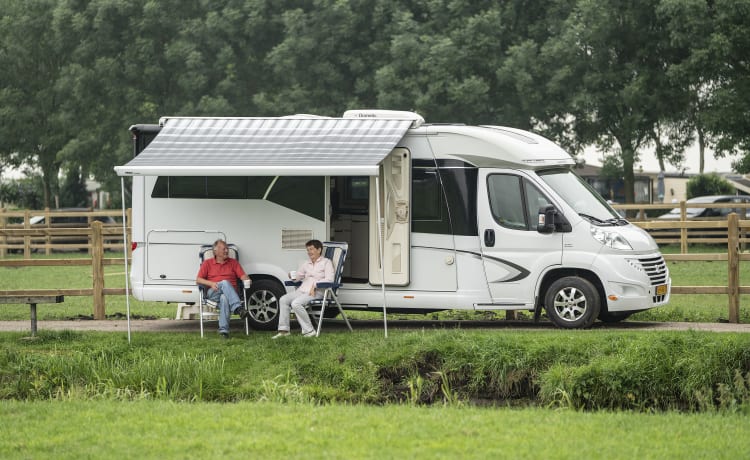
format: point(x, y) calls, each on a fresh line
point(57, 230)
point(733, 232)
point(96, 235)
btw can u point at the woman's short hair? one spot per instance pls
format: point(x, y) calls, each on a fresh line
point(315, 243)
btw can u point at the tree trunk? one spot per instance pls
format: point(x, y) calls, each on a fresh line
point(701, 150)
point(628, 160)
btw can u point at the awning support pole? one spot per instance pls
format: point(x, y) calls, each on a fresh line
point(125, 252)
point(382, 252)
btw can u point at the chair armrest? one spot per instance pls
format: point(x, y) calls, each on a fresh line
point(292, 283)
point(326, 285)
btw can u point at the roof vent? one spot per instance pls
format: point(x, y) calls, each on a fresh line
point(416, 119)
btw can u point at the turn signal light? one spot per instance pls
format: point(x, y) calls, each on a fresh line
point(612, 297)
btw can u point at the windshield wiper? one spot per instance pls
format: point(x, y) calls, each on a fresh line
point(591, 218)
point(617, 221)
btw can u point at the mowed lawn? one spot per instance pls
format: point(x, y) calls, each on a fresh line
point(110, 428)
point(159, 429)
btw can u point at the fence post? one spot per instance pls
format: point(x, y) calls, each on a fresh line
point(27, 238)
point(3, 239)
point(683, 229)
point(97, 269)
point(733, 262)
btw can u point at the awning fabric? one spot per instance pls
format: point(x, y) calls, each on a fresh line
point(288, 146)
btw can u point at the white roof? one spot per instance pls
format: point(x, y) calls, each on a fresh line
point(289, 146)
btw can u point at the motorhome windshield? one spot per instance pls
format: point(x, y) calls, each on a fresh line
point(580, 196)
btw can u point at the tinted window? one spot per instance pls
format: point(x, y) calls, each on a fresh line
point(303, 194)
point(506, 203)
point(514, 201)
point(426, 195)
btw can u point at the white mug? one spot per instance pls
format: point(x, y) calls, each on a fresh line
point(293, 275)
point(246, 283)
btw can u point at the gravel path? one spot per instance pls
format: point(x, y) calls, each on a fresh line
point(192, 326)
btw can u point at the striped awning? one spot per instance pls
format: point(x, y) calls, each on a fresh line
point(289, 146)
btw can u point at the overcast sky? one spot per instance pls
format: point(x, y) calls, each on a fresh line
point(691, 165)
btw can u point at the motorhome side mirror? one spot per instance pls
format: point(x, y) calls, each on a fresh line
point(550, 220)
point(546, 222)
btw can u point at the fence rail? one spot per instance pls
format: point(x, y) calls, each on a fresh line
point(48, 231)
point(733, 227)
point(95, 234)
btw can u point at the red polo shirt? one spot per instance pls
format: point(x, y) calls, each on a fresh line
point(229, 270)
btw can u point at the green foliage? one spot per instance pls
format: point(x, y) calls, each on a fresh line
point(23, 193)
point(659, 73)
point(708, 184)
point(73, 190)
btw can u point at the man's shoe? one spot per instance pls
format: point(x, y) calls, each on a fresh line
point(280, 335)
point(309, 334)
point(244, 314)
point(224, 335)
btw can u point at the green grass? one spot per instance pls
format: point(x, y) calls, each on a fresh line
point(162, 429)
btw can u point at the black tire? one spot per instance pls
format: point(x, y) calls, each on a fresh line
point(572, 302)
point(330, 313)
point(263, 304)
point(614, 316)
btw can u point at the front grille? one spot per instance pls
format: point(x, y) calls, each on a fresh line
point(657, 272)
point(656, 269)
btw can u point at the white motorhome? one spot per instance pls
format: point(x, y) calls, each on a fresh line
point(471, 217)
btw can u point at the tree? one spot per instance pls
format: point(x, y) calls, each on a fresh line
point(33, 126)
point(608, 66)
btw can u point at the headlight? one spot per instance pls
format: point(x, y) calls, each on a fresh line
point(611, 239)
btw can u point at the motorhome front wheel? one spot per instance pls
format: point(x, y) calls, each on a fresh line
point(572, 302)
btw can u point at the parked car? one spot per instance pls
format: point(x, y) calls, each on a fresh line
point(70, 221)
point(80, 221)
point(701, 212)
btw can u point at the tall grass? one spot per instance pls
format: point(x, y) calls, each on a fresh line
point(587, 370)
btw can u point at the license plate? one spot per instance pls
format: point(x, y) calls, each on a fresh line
point(661, 289)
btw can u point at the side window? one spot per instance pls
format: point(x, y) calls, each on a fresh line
point(506, 201)
point(305, 194)
point(534, 200)
point(514, 202)
point(426, 196)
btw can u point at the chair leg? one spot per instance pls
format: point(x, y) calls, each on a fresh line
point(341, 310)
point(200, 314)
point(247, 320)
point(322, 312)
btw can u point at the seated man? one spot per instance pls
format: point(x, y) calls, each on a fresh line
point(219, 274)
point(317, 269)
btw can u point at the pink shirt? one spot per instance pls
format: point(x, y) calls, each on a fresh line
point(310, 273)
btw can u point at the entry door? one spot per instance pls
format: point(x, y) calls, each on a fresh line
point(394, 220)
point(513, 252)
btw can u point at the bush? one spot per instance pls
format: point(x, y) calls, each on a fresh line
point(708, 184)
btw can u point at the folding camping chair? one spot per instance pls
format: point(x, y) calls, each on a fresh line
point(208, 308)
point(336, 252)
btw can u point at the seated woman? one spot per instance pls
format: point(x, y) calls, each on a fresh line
point(317, 269)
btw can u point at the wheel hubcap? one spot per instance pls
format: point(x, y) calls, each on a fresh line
point(263, 306)
point(570, 304)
